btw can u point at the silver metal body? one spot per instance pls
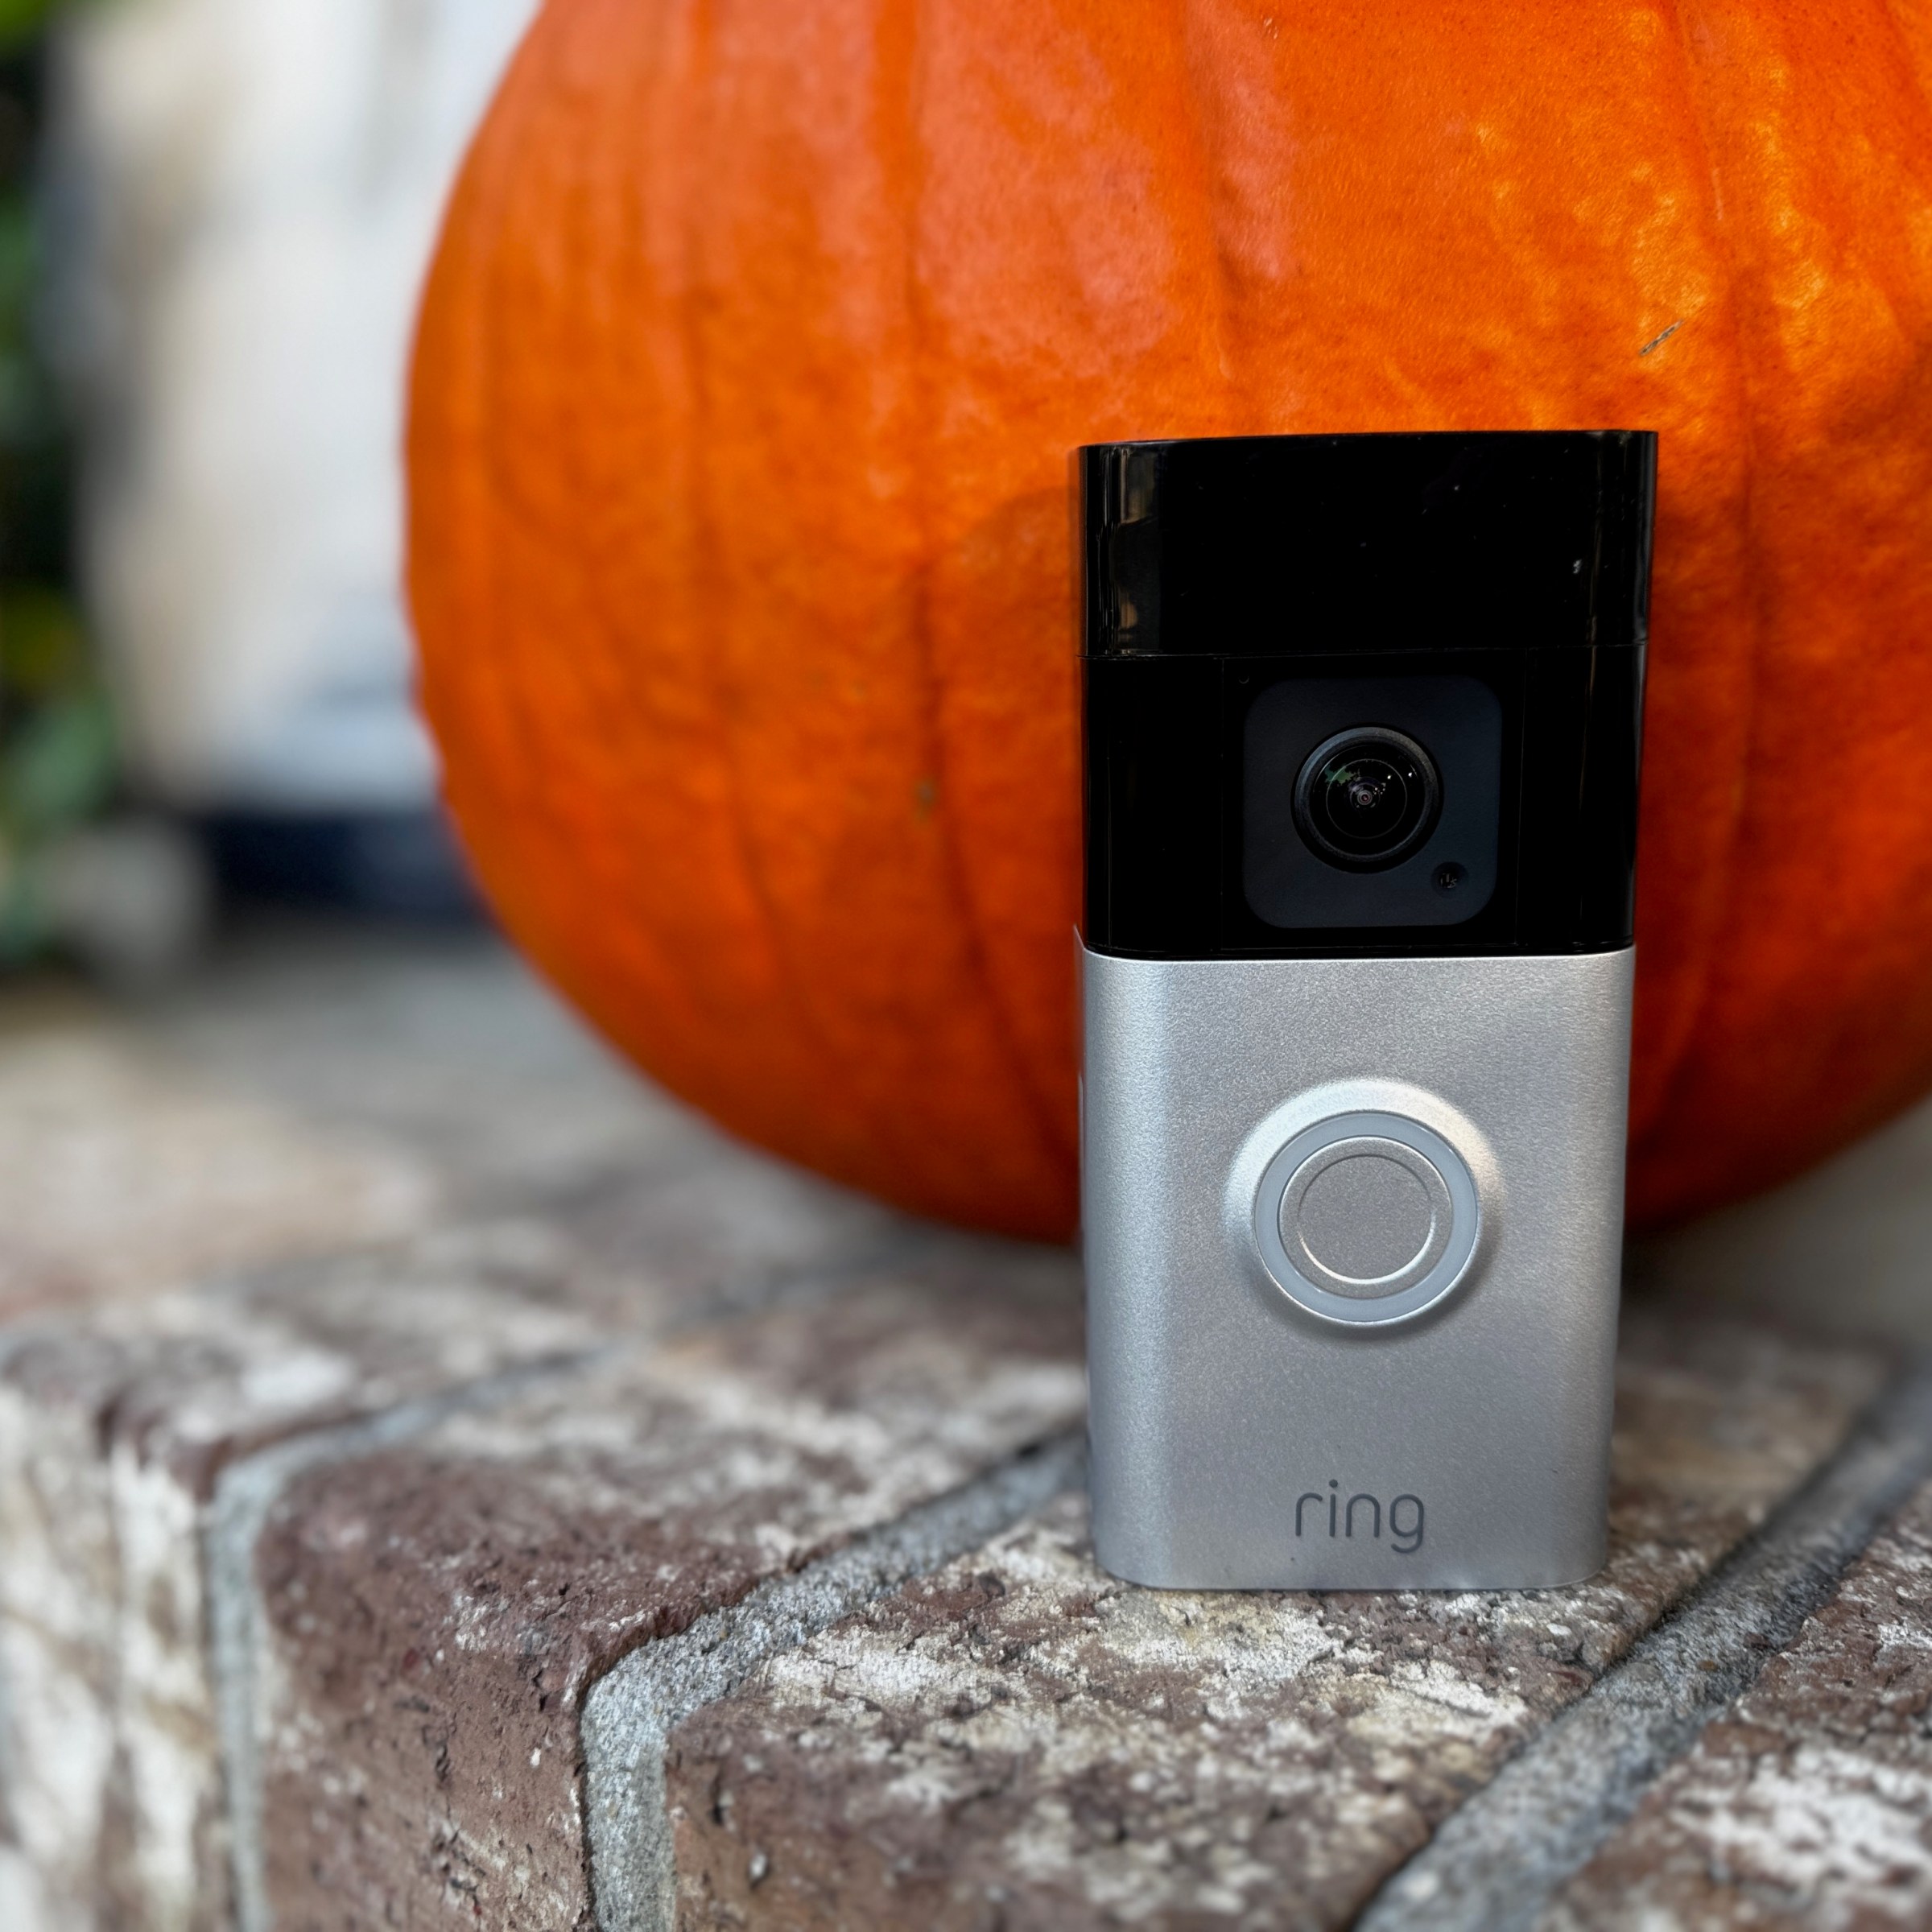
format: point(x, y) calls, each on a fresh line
point(1430, 1410)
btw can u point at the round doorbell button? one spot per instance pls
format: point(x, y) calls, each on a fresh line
point(1367, 1218)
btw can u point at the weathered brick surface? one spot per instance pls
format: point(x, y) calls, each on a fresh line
point(443, 1050)
point(112, 1434)
point(1020, 1741)
point(309, 1096)
point(436, 1612)
point(123, 1169)
point(287, 1233)
point(1809, 1803)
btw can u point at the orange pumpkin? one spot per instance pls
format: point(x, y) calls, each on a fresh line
point(739, 557)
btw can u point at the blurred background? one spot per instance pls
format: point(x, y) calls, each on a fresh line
point(214, 218)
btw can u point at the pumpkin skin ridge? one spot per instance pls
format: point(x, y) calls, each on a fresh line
point(1680, 1055)
point(921, 1184)
point(1048, 1123)
point(1049, 1119)
point(1671, 1161)
point(816, 1043)
point(1651, 1115)
point(807, 1142)
point(1058, 1122)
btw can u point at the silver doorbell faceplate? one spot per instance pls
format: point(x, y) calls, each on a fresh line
point(1403, 1281)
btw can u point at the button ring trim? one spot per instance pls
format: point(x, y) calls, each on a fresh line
point(1295, 1165)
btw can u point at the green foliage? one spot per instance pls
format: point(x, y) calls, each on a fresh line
point(57, 756)
point(20, 20)
point(24, 400)
point(56, 748)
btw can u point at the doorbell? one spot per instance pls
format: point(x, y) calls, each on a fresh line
point(1363, 718)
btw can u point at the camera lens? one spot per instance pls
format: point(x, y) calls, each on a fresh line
point(1367, 798)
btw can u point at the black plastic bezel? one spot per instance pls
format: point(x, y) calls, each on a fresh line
point(1214, 569)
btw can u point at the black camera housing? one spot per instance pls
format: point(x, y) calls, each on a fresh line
point(1251, 601)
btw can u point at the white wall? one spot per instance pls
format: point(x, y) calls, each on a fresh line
point(244, 198)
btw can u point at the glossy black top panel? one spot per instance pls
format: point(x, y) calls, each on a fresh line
point(1443, 632)
point(1273, 546)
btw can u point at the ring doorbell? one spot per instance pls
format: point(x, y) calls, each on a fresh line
point(1362, 717)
